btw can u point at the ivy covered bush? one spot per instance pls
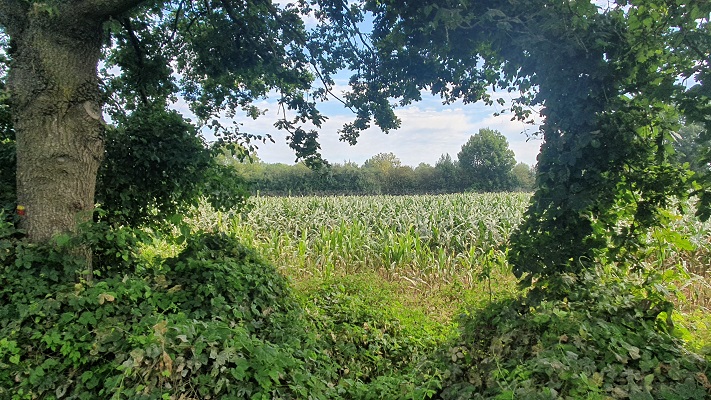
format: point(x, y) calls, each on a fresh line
point(613, 336)
point(213, 322)
point(157, 165)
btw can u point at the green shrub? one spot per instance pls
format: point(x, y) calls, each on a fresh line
point(612, 337)
point(157, 165)
point(213, 322)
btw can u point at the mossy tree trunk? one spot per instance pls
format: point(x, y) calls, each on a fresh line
point(56, 104)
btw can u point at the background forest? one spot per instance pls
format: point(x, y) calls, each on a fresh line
point(484, 164)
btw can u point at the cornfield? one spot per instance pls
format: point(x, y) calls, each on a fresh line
point(429, 240)
point(683, 250)
point(426, 240)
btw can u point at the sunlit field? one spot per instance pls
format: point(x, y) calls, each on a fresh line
point(422, 239)
point(438, 251)
point(435, 251)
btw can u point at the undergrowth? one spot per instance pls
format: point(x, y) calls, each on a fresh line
point(380, 346)
point(612, 337)
point(213, 322)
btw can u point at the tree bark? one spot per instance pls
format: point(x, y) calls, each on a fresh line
point(56, 105)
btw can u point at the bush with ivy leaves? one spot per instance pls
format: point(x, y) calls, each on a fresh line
point(612, 337)
point(213, 322)
point(156, 164)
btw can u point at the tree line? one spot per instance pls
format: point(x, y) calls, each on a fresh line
point(485, 163)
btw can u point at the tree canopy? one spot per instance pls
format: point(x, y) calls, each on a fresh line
point(486, 161)
point(524, 176)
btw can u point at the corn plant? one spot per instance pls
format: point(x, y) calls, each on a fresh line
point(427, 240)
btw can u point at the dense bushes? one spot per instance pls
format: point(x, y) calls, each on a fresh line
point(156, 164)
point(216, 321)
point(612, 337)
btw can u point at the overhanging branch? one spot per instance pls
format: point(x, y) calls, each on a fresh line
point(136, 44)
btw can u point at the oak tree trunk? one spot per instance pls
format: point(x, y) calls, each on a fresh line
point(57, 118)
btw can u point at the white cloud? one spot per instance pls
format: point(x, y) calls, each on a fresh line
point(425, 134)
point(429, 129)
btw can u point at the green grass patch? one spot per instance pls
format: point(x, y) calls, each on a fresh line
point(379, 345)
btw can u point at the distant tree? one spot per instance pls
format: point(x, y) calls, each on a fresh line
point(400, 180)
point(426, 178)
point(286, 179)
point(524, 177)
point(377, 170)
point(383, 162)
point(485, 162)
point(690, 147)
point(447, 173)
point(345, 178)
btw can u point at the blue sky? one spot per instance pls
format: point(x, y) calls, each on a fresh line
point(429, 129)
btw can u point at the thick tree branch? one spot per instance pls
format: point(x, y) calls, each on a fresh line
point(175, 21)
point(136, 44)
